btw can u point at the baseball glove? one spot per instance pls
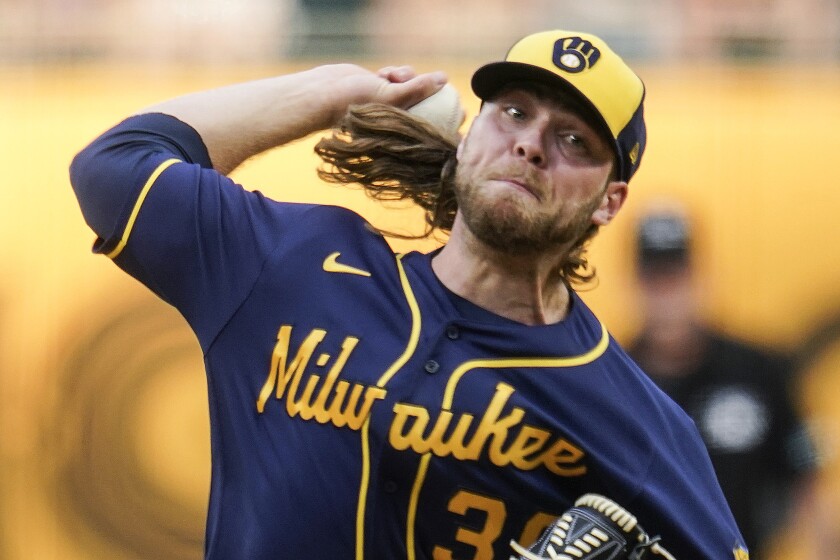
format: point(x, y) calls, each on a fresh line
point(596, 528)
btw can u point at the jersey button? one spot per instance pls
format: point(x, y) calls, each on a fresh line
point(389, 486)
point(452, 332)
point(431, 366)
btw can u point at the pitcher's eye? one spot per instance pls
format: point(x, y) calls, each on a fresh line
point(572, 139)
point(514, 112)
point(574, 144)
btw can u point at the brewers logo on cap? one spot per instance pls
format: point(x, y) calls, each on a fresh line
point(575, 55)
point(584, 65)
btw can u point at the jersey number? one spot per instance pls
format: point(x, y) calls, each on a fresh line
point(484, 538)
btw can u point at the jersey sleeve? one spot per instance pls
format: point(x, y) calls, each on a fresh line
point(679, 496)
point(680, 499)
point(194, 237)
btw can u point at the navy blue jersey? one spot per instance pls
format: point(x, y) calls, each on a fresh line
point(358, 408)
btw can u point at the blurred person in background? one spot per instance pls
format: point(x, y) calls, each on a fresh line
point(741, 396)
point(324, 28)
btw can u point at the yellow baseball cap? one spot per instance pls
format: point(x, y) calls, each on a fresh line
point(586, 66)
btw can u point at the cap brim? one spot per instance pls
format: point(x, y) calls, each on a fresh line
point(490, 78)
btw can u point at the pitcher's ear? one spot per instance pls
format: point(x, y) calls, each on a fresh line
point(613, 199)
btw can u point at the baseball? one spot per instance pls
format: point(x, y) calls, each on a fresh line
point(443, 109)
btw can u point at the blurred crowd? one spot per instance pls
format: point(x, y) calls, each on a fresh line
point(233, 30)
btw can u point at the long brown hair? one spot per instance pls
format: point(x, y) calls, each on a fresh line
point(395, 156)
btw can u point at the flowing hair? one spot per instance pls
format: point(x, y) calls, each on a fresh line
point(395, 156)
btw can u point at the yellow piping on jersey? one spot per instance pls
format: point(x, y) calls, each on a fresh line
point(136, 210)
point(569, 361)
point(449, 396)
point(413, 338)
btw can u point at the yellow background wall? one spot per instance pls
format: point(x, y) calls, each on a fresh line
point(103, 423)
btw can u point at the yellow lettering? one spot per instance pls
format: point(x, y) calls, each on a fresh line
point(494, 428)
point(529, 441)
point(455, 443)
point(416, 418)
point(334, 411)
point(322, 414)
point(527, 449)
point(301, 404)
point(561, 457)
point(355, 418)
point(330, 401)
point(279, 375)
point(414, 436)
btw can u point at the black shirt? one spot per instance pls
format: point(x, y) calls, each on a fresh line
point(741, 400)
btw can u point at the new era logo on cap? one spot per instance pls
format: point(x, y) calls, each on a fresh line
point(584, 65)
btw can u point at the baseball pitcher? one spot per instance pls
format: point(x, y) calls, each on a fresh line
point(460, 404)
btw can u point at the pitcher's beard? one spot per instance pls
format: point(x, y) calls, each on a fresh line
point(507, 225)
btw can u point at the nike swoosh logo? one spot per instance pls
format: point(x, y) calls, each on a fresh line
point(331, 264)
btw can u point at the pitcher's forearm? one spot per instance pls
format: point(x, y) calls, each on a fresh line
point(239, 121)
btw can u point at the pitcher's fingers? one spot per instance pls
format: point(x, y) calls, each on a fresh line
point(412, 91)
point(397, 74)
